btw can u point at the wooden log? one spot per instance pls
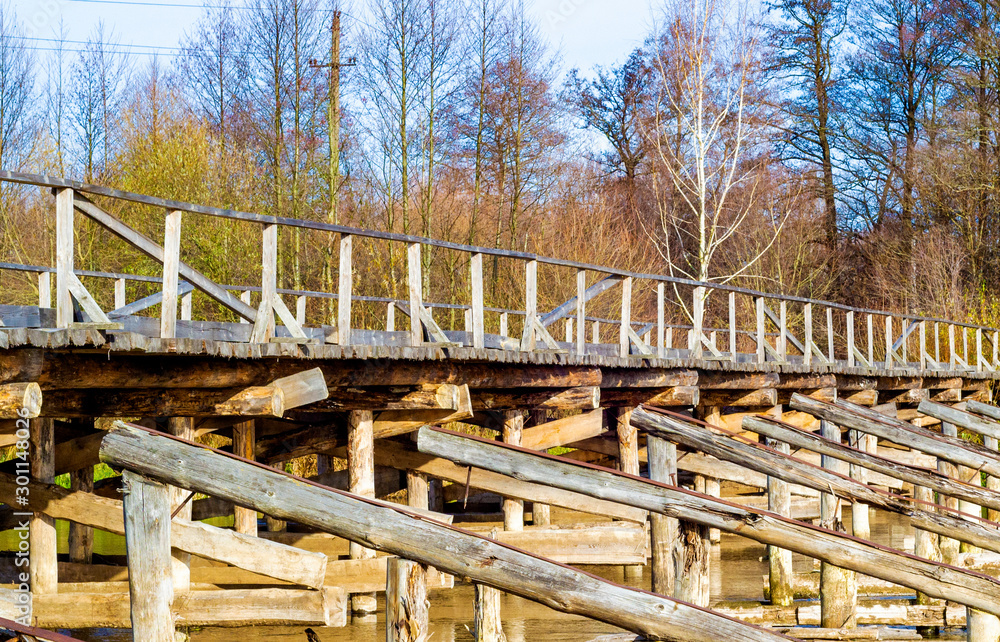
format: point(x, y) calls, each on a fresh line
point(85, 370)
point(583, 398)
point(393, 454)
point(982, 627)
point(102, 608)
point(434, 544)
point(541, 515)
point(81, 536)
point(838, 484)
point(984, 409)
point(147, 543)
point(779, 501)
point(43, 569)
point(966, 420)
point(838, 590)
point(560, 432)
point(182, 427)
point(878, 463)
point(250, 553)
point(244, 445)
point(662, 529)
point(850, 416)
point(260, 401)
point(724, 380)
point(406, 605)
point(862, 397)
point(390, 423)
point(20, 400)
point(660, 397)
point(487, 622)
point(445, 396)
point(647, 378)
point(513, 508)
point(361, 467)
point(763, 398)
point(877, 561)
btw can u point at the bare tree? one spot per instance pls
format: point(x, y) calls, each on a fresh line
point(803, 39)
point(613, 104)
point(100, 74)
point(707, 135)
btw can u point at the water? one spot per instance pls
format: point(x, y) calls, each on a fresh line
point(738, 569)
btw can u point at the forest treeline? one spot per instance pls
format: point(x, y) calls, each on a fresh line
point(841, 150)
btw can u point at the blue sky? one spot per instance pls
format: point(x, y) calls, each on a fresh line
point(587, 32)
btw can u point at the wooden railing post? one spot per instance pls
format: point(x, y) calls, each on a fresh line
point(761, 355)
point(733, 355)
point(269, 277)
point(996, 350)
point(416, 289)
point(871, 341)
point(979, 349)
point(345, 289)
point(186, 303)
point(850, 338)
point(478, 315)
point(64, 257)
point(888, 342)
point(390, 316)
point(596, 333)
point(923, 345)
point(830, 336)
point(530, 305)
point(245, 298)
point(807, 325)
point(952, 363)
point(698, 305)
point(301, 303)
point(626, 322)
point(581, 312)
point(120, 296)
point(44, 290)
point(783, 331)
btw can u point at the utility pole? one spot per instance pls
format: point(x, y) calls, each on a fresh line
point(333, 110)
point(333, 134)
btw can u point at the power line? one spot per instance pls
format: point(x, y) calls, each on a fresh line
point(166, 5)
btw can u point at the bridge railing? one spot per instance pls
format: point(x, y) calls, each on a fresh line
point(783, 329)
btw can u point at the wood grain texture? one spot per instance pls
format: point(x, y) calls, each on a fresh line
point(396, 531)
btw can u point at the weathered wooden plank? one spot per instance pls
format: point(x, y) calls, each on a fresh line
point(584, 398)
point(406, 605)
point(895, 566)
point(171, 261)
point(966, 420)
point(560, 432)
point(147, 541)
point(959, 452)
point(20, 400)
point(397, 531)
point(913, 474)
point(253, 554)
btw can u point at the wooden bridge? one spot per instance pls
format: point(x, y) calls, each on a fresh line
point(872, 403)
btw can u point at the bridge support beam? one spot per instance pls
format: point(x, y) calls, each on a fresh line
point(838, 589)
point(361, 481)
point(779, 500)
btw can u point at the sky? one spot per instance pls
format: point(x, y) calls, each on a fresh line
point(586, 32)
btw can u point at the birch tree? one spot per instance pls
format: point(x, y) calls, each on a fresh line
point(706, 135)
